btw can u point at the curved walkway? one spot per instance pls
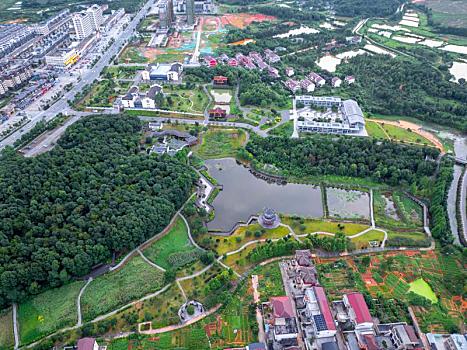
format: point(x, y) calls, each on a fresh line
point(190, 237)
point(78, 303)
point(15, 325)
point(150, 262)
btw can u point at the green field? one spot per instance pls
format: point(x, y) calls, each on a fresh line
point(404, 135)
point(45, 313)
point(420, 287)
point(284, 130)
point(310, 226)
point(131, 54)
point(221, 143)
point(372, 235)
point(241, 236)
point(112, 290)
point(375, 130)
point(173, 249)
point(6, 329)
point(184, 100)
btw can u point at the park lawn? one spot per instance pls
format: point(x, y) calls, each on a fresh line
point(221, 143)
point(311, 225)
point(169, 57)
point(122, 72)
point(372, 235)
point(49, 311)
point(169, 250)
point(420, 287)
point(241, 236)
point(113, 290)
point(417, 236)
point(184, 100)
point(7, 339)
point(375, 130)
point(284, 130)
point(404, 135)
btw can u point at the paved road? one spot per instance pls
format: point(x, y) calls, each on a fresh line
point(61, 106)
point(462, 204)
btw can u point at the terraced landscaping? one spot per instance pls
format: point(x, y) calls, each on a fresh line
point(112, 290)
point(49, 311)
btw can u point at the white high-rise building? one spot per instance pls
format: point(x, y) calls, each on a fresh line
point(96, 15)
point(86, 22)
point(83, 24)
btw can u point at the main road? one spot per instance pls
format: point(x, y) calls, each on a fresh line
point(61, 106)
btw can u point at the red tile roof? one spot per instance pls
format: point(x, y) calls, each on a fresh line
point(324, 307)
point(282, 307)
point(358, 304)
point(370, 342)
point(86, 343)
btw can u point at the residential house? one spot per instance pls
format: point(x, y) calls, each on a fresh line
point(292, 85)
point(350, 79)
point(358, 311)
point(318, 312)
point(210, 61)
point(128, 101)
point(163, 71)
point(317, 79)
point(232, 62)
point(303, 258)
point(336, 82)
point(289, 71)
point(262, 65)
point(271, 56)
point(273, 72)
point(405, 338)
point(307, 85)
point(149, 100)
point(353, 40)
point(217, 113)
point(283, 318)
point(87, 344)
point(220, 80)
point(255, 56)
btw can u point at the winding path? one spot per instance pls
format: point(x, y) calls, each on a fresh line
point(78, 303)
point(150, 262)
point(15, 325)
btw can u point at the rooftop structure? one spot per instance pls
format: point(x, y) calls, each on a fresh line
point(318, 311)
point(190, 12)
point(358, 310)
point(166, 14)
point(87, 344)
point(283, 318)
point(404, 337)
point(163, 71)
point(269, 218)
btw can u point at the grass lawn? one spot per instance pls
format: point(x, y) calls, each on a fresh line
point(184, 100)
point(45, 313)
point(239, 262)
point(417, 236)
point(372, 235)
point(404, 135)
point(241, 236)
point(6, 329)
point(112, 290)
point(173, 248)
point(132, 54)
point(420, 287)
point(169, 57)
point(122, 72)
point(310, 226)
point(375, 130)
point(221, 143)
point(284, 130)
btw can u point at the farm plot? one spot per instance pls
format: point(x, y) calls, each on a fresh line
point(6, 329)
point(270, 282)
point(173, 250)
point(45, 313)
point(195, 288)
point(110, 291)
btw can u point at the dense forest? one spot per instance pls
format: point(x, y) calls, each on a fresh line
point(384, 161)
point(93, 195)
point(366, 8)
point(406, 87)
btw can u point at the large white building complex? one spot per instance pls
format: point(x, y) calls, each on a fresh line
point(338, 117)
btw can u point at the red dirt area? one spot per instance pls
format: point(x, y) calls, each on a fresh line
point(369, 281)
point(241, 20)
point(155, 339)
point(210, 329)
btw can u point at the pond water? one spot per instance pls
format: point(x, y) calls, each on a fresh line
point(455, 48)
point(298, 31)
point(244, 195)
point(348, 203)
point(377, 49)
point(459, 70)
point(390, 208)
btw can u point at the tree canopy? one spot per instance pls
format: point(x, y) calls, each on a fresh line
point(93, 195)
point(384, 161)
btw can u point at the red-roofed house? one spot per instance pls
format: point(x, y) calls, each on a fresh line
point(318, 311)
point(217, 113)
point(210, 61)
point(220, 80)
point(232, 62)
point(358, 311)
point(350, 79)
point(283, 318)
point(87, 344)
point(368, 342)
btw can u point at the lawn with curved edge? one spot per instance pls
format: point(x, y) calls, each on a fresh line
point(115, 289)
point(420, 287)
point(372, 235)
point(169, 250)
point(309, 226)
point(49, 311)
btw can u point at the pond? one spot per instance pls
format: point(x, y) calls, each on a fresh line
point(459, 70)
point(348, 204)
point(244, 195)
